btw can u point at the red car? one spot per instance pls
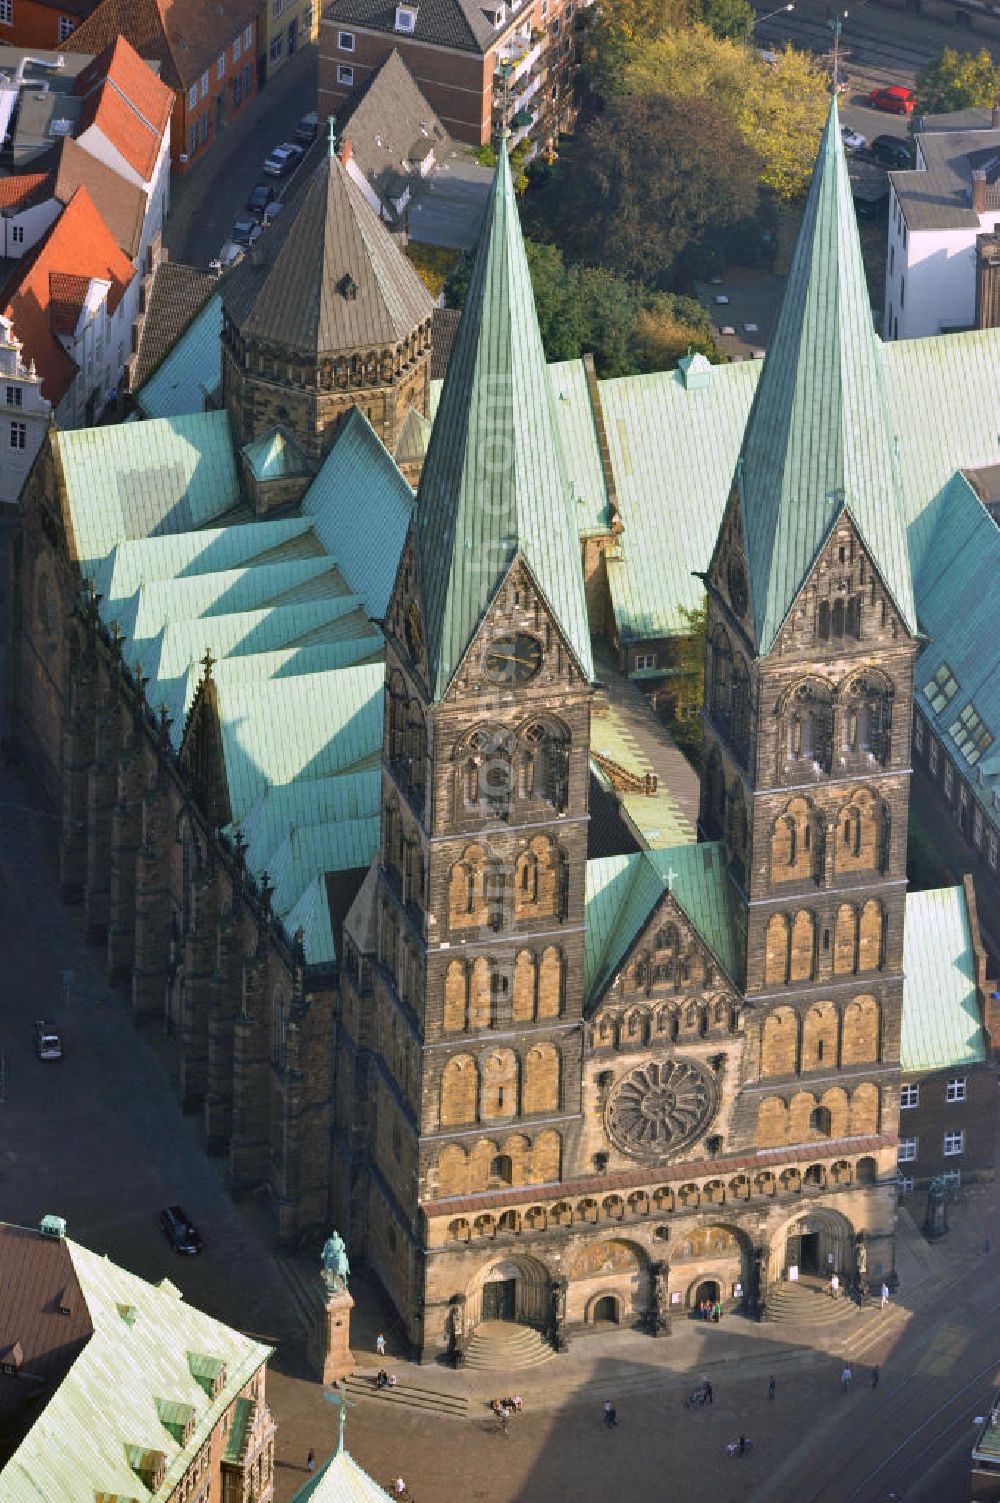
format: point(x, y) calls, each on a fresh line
point(895, 99)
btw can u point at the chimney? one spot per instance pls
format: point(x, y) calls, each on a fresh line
point(979, 191)
point(996, 111)
point(345, 152)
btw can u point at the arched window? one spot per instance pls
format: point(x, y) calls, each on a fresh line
point(713, 796)
point(279, 1009)
point(484, 762)
point(739, 715)
point(808, 727)
point(802, 966)
point(458, 1091)
point(796, 842)
point(499, 1093)
point(541, 1079)
point(720, 663)
point(501, 1011)
point(863, 834)
point(502, 1169)
point(736, 829)
point(866, 719)
point(543, 763)
point(870, 937)
point(776, 950)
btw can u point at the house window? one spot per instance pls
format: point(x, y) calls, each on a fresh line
point(954, 1143)
point(909, 1095)
point(992, 852)
point(247, 80)
point(907, 1150)
point(6, 12)
point(307, 20)
point(645, 660)
point(193, 97)
point(934, 756)
point(237, 91)
point(192, 140)
point(237, 49)
point(277, 6)
point(204, 84)
point(277, 47)
point(14, 396)
point(248, 38)
point(970, 734)
point(66, 27)
point(220, 65)
point(949, 779)
point(345, 41)
point(406, 19)
point(955, 1089)
point(942, 688)
point(17, 234)
point(952, 1178)
point(345, 74)
point(203, 128)
point(18, 435)
point(906, 1184)
point(918, 733)
point(977, 826)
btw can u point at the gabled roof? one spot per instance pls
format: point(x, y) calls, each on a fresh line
point(188, 363)
point(45, 1325)
point(339, 281)
point(359, 482)
point(819, 438)
point(341, 1480)
point(276, 454)
point(386, 119)
point(141, 560)
point(942, 1025)
point(178, 295)
point(67, 301)
point(623, 891)
point(119, 1398)
point(460, 24)
point(79, 244)
point(127, 102)
point(121, 204)
point(18, 192)
point(184, 36)
point(476, 511)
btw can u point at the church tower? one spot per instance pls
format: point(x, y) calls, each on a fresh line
point(480, 886)
point(811, 642)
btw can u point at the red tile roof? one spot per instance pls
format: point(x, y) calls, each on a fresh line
point(125, 99)
point(18, 192)
point(79, 246)
point(184, 36)
point(67, 295)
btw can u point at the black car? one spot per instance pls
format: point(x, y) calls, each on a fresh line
point(260, 198)
point(245, 232)
point(305, 131)
point(892, 151)
point(179, 1231)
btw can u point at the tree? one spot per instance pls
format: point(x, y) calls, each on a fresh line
point(728, 18)
point(644, 181)
point(777, 111)
point(958, 81)
point(666, 328)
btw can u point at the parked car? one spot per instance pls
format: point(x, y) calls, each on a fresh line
point(283, 159)
point(245, 232)
point(48, 1044)
point(894, 99)
point(305, 131)
point(853, 139)
point(891, 151)
point(179, 1231)
point(272, 211)
point(260, 198)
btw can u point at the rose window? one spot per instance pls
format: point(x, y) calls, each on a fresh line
point(658, 1108)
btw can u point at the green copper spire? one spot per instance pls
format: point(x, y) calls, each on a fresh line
point(494, 482)
point(818, 439)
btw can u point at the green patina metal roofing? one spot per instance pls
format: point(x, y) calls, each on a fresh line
point(307, 854)
point(183, 641)
point(360, 507)
point(340, 1480)
point(107, 1408)
point(298, 805)
point(311, 916)
point(130, 564)
point(819, 439)
point(622, 892)
point(276, 454)
point(191, 371)
point(134, 480)
point(941, 1020)
point(494, 482)
point(414, 436)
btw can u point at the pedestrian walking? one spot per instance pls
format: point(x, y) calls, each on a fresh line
point(610, 1414)
point(742, 1445)
point(835, 1286)
point(380, 1344)
point(874, 1379)
point(885, 1296)
point(771, 1385)
point(311, 1462)
point(709, 1398)
point(845, 1377)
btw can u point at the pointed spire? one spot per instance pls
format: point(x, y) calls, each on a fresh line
point(331, 136)
point(819, 438)
point(494, 481)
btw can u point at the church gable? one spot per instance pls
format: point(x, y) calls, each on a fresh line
point(728, 575)
point(201, 752)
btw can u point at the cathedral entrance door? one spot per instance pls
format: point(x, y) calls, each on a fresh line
point(802, 1252)
point(709, 1290)
point(499, 1299)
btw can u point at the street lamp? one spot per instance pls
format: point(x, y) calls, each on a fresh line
point(756, 20)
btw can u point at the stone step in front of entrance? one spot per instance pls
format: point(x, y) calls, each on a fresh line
point(424, 1399)
point(809, 1304)
point(503, 1346)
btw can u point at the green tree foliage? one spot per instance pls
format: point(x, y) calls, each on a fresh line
point(957, 81)
point(687, 685)
point(642, 182)
point(587, 308)
point(729, 18)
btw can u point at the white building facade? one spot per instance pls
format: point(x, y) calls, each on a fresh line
point(25, 416)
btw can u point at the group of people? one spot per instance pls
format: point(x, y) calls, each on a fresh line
point(504, 1408)
point(710, 1310)
point(385, 1379)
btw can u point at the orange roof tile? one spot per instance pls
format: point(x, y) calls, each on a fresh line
point(78, 246)
point(16, 191)
point(125, 99)
point(185, 36)
point(67, 295)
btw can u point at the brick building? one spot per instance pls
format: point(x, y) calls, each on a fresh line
point(139, 1390)
point(41, 23)
point(480, 68)
point(207, 56)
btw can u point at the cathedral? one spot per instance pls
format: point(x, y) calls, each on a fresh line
point(323, 753)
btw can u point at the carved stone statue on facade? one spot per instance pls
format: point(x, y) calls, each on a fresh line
point(456, 1330)
point(861, 1260)
point(336, 1268)
point(936, 1216)
point(661, 1299)
point(757, 1293)
point(558, 1315)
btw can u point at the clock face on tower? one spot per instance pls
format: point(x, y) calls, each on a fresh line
point(414, 631)
point(513, 659)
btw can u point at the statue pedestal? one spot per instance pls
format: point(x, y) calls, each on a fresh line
point(330, 1336)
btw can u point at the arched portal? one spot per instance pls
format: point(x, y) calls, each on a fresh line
point(706, 1291)
point(814, 1245)
point(512, 1289)
point(606, 1309)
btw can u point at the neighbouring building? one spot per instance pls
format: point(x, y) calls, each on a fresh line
point(111, 1387)
point(285, 26)
point(41, 23)
point(340, 1477)
point(480, 67)
point(207, 57)
point(323, 759)
point(25, 414)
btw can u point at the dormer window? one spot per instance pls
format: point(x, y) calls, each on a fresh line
point(348, 287)
point(498, 16)
point(406, 18)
